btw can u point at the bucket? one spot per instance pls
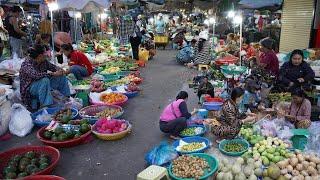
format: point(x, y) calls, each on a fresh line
point(203, 113)
point(299, 138)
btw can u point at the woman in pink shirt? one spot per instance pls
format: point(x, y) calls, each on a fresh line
point(174, 117)
point(299, 112)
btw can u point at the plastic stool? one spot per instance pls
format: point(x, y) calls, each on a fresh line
point(153, 173)
point(200, 66)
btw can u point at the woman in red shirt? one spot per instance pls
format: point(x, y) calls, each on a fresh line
point(79, 64)
point(267, 58)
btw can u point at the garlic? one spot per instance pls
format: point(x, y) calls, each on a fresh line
point(299, 167)
point(284, 171)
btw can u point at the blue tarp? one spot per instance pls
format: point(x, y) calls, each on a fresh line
point(259, 3)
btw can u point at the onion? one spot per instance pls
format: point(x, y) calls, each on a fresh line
point(284, 171)
point(288, 176)
point(314, 165)
point(294, 161)
point(312, 171)
point(299, 167)
point(289, 168)
point(295, 173)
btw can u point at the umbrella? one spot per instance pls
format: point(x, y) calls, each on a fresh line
point(83, 5)
point(259, 3)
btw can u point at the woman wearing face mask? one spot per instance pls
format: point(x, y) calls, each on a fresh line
point(80, 66)
point(230, 121)
point(296, 72)
point(36, 83)
point(300, 110)
point(174, 117)
point(267, 58)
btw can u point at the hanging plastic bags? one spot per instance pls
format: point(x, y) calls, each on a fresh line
point(21, 121)
point(160, 155)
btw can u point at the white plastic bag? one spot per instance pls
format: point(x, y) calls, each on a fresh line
point(11, 65)
point(21, 121)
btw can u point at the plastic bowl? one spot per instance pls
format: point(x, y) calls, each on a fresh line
point(53, 153)
point(121, 103)
point(62, 144)
point(191, 140)
point(212, 161)
point(132, 94)
point(43, 177)
point(51, 111)
point(201, 134)
point(241, 141)
point(212, 106)
point(90, 112)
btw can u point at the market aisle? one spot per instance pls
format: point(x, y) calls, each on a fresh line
point(122, 160)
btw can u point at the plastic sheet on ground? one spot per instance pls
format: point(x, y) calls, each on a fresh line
point(313, 144)
point(161, 155)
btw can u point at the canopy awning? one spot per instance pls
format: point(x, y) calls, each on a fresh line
point(83, 5)
point(256, 4)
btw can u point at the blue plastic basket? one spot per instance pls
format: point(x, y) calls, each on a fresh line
point(201, 134)
point(131, 94)
point(241, 141)
point(191, 140)
point(212, 106)
point(50, 111)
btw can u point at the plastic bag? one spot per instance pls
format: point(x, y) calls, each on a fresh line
point(161, 154)
point(75, 103)
point(13, 65)
point(44, 116)
point(313, 144)
point(5, 107)
point(20, 120)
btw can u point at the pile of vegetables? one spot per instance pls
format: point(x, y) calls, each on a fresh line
point(108, 112)
point(123, 65)
point(190, 131)
point(132, 78)
point(247, 133)
point(97, 86)
point(282, 97)
point(62, 134)
point(118, 82)
point(112, 98)
point(82, 84)
point(106, 126)
point(269, 151)
point(240, 170)
point(298, 167)
point(111, 70)
point(192, 147)
point(27, 164)
point(189, 167)
point(64, 116)
point(132, 87)
point(234, 147)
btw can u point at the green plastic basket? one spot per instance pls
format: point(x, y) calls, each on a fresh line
point(212, 161)
point(109, 77)
point(123, 73)
point(240, 141)
point(299, 138)
point(233, 70)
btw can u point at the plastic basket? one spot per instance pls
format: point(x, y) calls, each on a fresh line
point(53, 153)
point(90, 112)
point(212, 161)
point(114, 136)
point(200, 134)
point(121, 103)
point(51, 111)
point(43, 177)
point(299, 138)
point(190, 140)
point(233, 70)
point(123, 73)
point(212, 106)
point(109, 78)
point(132, 94)
point(240, 141)
point(62, 144)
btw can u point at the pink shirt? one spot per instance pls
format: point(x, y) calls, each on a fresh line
point(301, 112)
point(172, 111)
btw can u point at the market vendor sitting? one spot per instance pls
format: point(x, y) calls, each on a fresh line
point(205, 88)
point(296, 73)
point(231, 46)
point(36, 83)
point(80, 66)
point(202, 51)
point(267, 58)
point(299, 112)
point(251, 98)
point(230, 121)
point(174, 117)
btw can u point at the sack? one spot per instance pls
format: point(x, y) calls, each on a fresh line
point(20, 121)
point(143, 54)
point(160, 155)
point(5, 107)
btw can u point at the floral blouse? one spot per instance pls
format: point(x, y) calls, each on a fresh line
point(30, 72)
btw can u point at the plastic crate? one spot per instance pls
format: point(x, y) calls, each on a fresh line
point(299, 138)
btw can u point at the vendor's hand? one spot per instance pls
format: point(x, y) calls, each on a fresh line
point(301, 80)
point(290, 118)
point(58, 73)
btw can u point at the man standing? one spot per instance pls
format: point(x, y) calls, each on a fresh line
point(15, 33)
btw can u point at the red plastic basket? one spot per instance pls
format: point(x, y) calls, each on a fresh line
point(43, 177)
point(63, 144)
point(215, 99)
point(52, 152)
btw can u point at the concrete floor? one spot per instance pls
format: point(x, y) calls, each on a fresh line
point(124, 159)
